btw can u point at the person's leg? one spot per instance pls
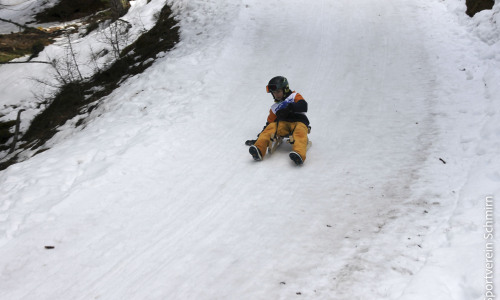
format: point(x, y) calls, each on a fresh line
point(300, 139)
point(264, 138)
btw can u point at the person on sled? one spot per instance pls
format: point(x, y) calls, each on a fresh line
point(287, 116)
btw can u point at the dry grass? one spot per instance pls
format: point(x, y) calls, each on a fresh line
point(29, 42)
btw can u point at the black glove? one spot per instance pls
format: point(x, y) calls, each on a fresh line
point(285, 112)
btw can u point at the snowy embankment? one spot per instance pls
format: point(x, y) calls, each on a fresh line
point(157, 198)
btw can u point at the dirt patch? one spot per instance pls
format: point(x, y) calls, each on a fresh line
point(23, 43)
point(33, 40)
point(67, 10)
point(475, 6)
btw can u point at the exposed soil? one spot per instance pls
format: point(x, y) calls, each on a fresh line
point(67, 10)
point(23, 43)
point(475, 6)
point(32, 40)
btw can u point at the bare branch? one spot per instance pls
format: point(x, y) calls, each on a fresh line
point(16, 133)
point(17, 24)
point(116, 35)
point(73, 56)
point(24, 62)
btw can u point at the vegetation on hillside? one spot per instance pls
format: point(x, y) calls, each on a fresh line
point(79, 96)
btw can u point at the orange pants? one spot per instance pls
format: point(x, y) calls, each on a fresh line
point(285, 128)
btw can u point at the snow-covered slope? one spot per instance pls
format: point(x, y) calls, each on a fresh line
point(157, 198)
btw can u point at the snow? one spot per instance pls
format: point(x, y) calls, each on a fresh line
point(156, 197)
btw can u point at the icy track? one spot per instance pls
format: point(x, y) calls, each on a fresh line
point(158, 198)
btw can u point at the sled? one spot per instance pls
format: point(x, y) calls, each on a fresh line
point(277, 140)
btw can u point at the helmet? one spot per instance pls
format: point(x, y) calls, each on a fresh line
point(276, 83)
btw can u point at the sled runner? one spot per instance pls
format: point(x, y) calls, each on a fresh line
point(276, 141)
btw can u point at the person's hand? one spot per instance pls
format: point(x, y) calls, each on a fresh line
point(285, 112)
